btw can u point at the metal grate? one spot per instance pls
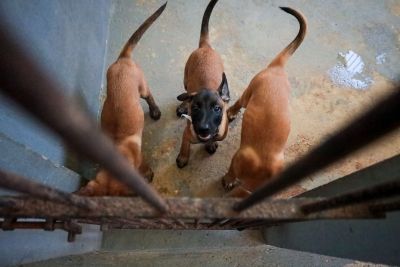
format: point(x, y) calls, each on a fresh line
point(24, 82)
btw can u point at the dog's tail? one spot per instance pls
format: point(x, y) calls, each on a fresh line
point(283, 56)
point(204, 23)
point(128, 48)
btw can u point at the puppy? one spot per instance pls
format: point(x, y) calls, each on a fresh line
point(122, 117)
point(206, 97)
point(266, 123)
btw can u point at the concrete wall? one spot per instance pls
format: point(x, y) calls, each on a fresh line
point(366, 240)
point(68, 39)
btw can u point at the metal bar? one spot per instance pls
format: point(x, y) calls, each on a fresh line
point(20, 184)
point(22, 80)
point(228, 222)
point(381, 119)
point(249, 224)
point(184, 208)
point(216, 222)
point(232, 222)
point(196, 223)
point(381, 191)
point(263, 223)
point(66, 226)
point(386, 206)
point(181, 223)
point(166, 223)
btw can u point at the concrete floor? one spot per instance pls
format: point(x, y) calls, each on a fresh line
point(248, 35)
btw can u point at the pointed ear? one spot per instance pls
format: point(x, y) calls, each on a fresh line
point(184, 97)
point(223, 89)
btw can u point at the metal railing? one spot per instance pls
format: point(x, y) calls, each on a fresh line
point(24, 82)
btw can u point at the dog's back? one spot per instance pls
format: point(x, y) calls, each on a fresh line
point(122, 117)
point(266, 122)
point(122, 114)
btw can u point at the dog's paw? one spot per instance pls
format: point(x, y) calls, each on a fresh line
point(181, 109)
point(149, 175)
point(155, 113)
point(211, 147)
point(84, 192)
point(181, 161)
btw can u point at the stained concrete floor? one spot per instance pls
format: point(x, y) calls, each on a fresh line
point(248, 34)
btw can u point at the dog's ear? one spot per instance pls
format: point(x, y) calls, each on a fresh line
point(223, 89)
point(184, 97)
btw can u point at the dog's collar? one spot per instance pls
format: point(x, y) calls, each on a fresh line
point(189, 118)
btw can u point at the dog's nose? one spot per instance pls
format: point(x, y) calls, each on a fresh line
point(204, 129)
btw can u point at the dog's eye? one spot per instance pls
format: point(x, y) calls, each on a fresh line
point(217, 108)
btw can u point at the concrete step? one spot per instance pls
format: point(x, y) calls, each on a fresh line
point(122, 240)
point(261, 255)
point(20, 246)
point(20, 159)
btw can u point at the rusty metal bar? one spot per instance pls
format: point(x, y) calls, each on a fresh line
point(72, 228)
point(181, 223)
point(182, 208)
point(381, 119)
point(386, 206)
point(20, 184)
point(196, 223)
point(250, 224)
point(166, 223)
point(231, 222)
point(381, 191)
point(22, 80)
point(216, 222)
point(116, 224)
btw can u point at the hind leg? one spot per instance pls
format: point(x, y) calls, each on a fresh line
point(96, 187)
point(145, 93)
point(146, 171)
point(184, 153)
point(240, 103)
point(230, 181)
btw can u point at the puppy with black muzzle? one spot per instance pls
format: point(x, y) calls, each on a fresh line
point(122, 117)
point(206, 97)
point(266, 123)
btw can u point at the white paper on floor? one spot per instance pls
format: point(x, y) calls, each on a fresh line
point(348, 71)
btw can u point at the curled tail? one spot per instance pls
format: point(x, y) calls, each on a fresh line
point(283, 56)
point(128, 48)
point(204, 23)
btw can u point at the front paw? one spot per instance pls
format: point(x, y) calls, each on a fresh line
point(181, 161)
point(155, 113)
point(211, 147)
point(149, 175)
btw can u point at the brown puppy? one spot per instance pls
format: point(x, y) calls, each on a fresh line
point(122, 117)
point(206, 97)
point(266, 123)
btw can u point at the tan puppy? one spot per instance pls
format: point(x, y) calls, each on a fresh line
point(266, 123)
point(206, 96)
point(122, 117)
